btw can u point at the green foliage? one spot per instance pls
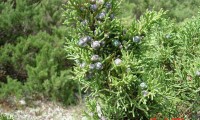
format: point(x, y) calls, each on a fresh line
point(22, 18)
point(147, 69)
point(11, 88)
point(5, 117)
point(178, 10)
point(32, 59)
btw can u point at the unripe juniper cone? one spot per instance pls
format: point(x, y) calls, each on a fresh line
point(95, 45)
point(95, 58)
point(136, 39)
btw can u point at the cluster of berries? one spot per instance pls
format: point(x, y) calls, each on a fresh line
point(100, 8)
point(97, 4)
point(143, 87)
point(95, 45)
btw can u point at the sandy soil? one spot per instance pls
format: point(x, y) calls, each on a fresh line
point(42, 110)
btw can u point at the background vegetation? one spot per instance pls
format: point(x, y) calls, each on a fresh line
point(33, 60)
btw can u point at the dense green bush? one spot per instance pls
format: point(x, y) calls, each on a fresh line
point(22, 18)
point(5, 117)
point(32, 59)
point(177, 10)
point(148, 69)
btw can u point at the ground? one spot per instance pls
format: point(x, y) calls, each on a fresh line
point(43, 110)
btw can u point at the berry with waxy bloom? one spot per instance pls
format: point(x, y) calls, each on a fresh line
point(112, 16)
point(101, 16)
point(118, 61)
point(95, 58)
point(108, 5)
point(116, 43)
point(92, 66)
point(82, 43)
point(82, 65)
point(168, 36)
point(143, 85)
point(198, 73)
point(145, 93)
point(96, 44)
point(100, 2)
point(93, 7)
point(99, 65)
point(87, 39)
point(128, 69)
point(84, 22)
point(136, 39)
